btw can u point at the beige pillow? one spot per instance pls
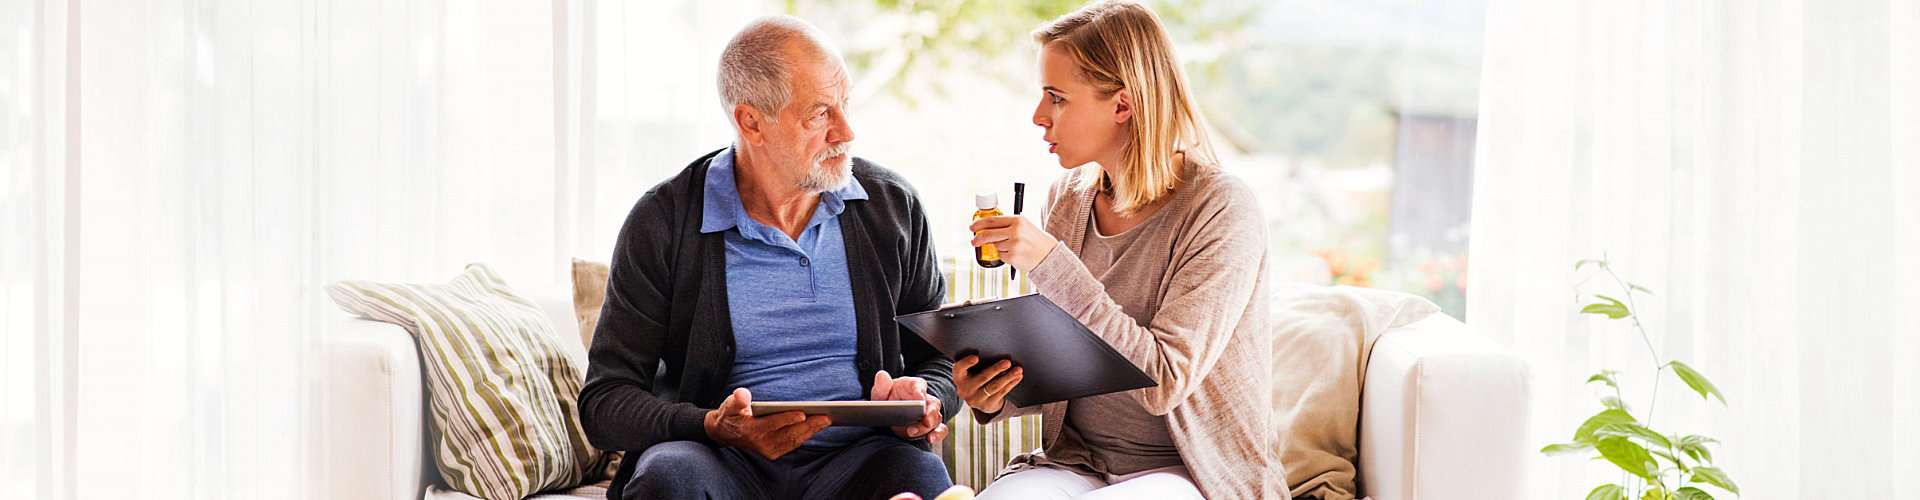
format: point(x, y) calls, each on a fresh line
point(1322, 337)
point(503, 394)
point(589, 293)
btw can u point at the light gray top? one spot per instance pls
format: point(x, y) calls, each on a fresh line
point(1111, 433)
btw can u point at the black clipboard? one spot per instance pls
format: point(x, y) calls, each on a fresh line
point(1063, 359)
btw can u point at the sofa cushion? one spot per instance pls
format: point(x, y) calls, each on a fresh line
point(596, 491)
point(502, 391)
point(589, 293)
point(1321, 339)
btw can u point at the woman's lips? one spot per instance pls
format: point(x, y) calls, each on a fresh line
point(1051, 146)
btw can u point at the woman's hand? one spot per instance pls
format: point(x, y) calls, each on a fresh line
point(985, 391)
point(1021, 244)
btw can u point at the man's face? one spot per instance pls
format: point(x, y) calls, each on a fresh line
point(810, 143)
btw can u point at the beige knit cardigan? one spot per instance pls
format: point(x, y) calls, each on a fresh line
point(1209, 345)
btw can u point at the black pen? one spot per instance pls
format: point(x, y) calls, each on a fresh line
point(1019, 198)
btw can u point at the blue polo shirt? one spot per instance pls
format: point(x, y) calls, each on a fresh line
point(790, 300)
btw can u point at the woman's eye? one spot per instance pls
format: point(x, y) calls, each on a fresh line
point(1054, 98)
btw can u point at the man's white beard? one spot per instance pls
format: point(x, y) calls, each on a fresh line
point(823, 177)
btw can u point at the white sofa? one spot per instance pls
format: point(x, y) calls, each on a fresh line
point(375, 424)
point(1443, 413)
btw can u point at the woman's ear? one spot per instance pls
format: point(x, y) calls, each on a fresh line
point(1122, 106)
point(747, 119)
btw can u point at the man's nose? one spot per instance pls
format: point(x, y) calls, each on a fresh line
point(842, 130)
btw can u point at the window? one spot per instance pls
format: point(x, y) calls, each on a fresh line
point(1357, 116)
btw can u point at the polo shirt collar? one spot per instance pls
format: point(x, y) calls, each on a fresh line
point(722, 209)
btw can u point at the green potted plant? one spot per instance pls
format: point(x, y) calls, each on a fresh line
point(1654, 465)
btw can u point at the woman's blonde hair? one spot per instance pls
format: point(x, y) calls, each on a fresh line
point(1122, 45)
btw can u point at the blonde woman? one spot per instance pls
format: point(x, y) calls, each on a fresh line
point(1162, 255)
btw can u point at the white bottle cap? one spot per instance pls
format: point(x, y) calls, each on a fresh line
point(986, 199)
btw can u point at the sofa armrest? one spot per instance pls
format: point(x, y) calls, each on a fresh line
point(1443, 415)
point(373, 421)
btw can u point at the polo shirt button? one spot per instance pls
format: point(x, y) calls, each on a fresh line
point(804, 262)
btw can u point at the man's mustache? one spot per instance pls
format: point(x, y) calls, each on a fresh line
point(833, 151)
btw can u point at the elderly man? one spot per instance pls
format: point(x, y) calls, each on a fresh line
point(771, 270)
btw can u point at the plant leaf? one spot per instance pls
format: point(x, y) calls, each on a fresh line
point(1695, 446)
point(1698, 382)
point(1584, 262)
point(1697, 439)
point(1713, 476)
point(1629, 456)
point(1604, 377)
point(1611, 308)
point(1691, 493)
point(1634, 430)
point(1699, 452)
point(1566, 448)
point(1654, 494)
point(1609, 416)
point(1641, 289)
point(1608, 492)
point(1674, 459)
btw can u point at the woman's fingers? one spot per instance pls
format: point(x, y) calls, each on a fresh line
point(986, 223)
point(987, 374)
point(1020, 242)
point(963, 379)
point(977, 388)
point(964, 363)
point(993, 236)
point(996, 391)
point(1000, 385)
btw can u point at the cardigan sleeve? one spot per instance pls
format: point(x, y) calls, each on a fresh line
point(923, 288)
point(618, 409)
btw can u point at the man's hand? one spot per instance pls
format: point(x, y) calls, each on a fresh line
point(771, 436)
point(887, 388)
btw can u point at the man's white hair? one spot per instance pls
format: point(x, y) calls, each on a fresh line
point(756, 67)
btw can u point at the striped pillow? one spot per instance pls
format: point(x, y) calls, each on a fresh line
point(502, 391)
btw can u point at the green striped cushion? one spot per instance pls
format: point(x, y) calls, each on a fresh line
point(502, 391)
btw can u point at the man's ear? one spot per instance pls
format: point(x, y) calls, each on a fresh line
point(748, 121)
point(1122, 106)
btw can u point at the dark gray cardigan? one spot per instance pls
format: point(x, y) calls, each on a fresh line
point(664, 347)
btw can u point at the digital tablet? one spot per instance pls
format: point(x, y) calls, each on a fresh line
point(1061, 358)
point(850, 413)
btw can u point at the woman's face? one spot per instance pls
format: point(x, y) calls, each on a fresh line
point(1080, 126)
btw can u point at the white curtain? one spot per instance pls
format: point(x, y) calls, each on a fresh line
point(641, 103)
point(1756, 163)
point(181, 178)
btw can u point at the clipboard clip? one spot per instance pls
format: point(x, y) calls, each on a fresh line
point(968, 302)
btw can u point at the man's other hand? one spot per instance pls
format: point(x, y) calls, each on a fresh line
point(887, 388)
